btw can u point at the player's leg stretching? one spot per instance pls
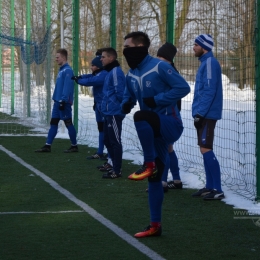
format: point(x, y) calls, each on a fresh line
point(165, 130)
point(147, 125)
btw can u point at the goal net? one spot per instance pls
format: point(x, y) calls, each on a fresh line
point(26, 79)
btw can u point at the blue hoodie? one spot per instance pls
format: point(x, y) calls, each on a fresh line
point(208, 96)
point(158, 79)
point(64, 87)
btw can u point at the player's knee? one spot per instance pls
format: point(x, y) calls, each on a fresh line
point(138, 116)
point(151, 118)
point(204, 150)
point(145, 115)
point(100, 126)
point(54, 121)
point(68, 122)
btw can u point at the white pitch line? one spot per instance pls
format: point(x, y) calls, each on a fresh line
point(43, 212)
point(92, 212)
point(246, 217)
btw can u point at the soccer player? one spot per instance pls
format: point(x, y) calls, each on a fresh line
point(166, 53)
point(113, 90)
point(63, 100)
point(206, 110)
point(96, 80)
point(157, 87)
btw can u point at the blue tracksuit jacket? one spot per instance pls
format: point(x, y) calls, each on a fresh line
point(113, 91)
point(158, 79)
point(97, 81)
point(208, 96)
point(64, 87)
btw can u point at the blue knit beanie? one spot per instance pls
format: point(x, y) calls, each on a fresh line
point(97, 62)
point(205, 41)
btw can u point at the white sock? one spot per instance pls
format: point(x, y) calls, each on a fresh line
point(110, 161)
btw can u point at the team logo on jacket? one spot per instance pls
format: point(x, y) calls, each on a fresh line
point(148, 84)
point(169, 71)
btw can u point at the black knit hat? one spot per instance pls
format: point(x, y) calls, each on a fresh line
point(167, 51)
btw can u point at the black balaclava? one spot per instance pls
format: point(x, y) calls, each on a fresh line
point(135, 55)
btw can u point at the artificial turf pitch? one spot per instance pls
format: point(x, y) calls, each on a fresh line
point(38, 222)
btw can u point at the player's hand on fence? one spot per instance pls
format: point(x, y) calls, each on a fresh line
point(62, 105)
point(198, 120)
point(150, 102)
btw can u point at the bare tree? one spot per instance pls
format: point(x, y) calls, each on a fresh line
point(231, 23)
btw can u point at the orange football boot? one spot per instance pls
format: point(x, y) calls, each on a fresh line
point(147, 170)
point(149, 232)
